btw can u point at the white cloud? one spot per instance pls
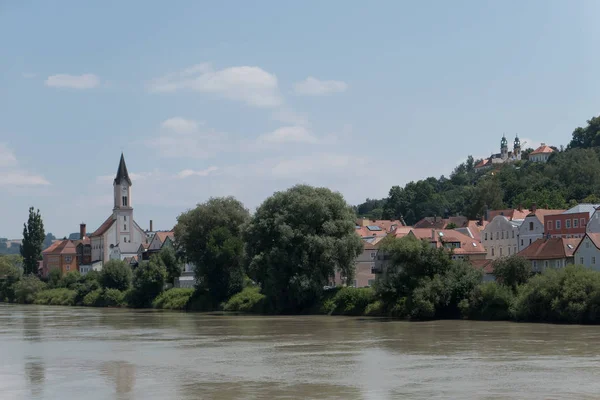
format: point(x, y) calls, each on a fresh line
point(180, 125)
point(315, 87)
point(251, 85)
point(84, 81)
point(11, 175)
point(289, 134)
point(186, 173)
point(7, 157)
point(289, 116)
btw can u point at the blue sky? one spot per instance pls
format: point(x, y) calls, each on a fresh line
point(247, 98)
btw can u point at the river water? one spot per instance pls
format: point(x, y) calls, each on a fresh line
point(89, 353)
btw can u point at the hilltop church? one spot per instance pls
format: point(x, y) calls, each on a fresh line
point(504, 156)
point(119, 236)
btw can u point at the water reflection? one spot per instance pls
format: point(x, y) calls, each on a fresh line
point(121, 375)
point(35, 371)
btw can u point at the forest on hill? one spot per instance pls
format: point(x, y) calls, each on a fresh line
point(571, 176)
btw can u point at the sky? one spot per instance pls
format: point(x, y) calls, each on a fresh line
point(209, 98)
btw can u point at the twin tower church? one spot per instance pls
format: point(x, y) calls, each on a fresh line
point(119, 230)
point(504, 156)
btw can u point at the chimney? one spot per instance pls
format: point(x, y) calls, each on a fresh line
point(533, 207)
point(81, 230)
point(481, 220)
point(151, 230)
point(433, 234)
point(520, 207)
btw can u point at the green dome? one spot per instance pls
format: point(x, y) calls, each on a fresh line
point(503, 143)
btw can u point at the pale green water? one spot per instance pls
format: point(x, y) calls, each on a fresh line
point(86, 353)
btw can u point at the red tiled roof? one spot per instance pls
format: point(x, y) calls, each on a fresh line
point(510, 214)
point(483, 163)
point(550, 249)
point(162, 236)
point(487, 266)
point(401, 231)
point(543, 149)
point(53, 246)
point(104, 227)
point(595, 238)
point(385, 224)
point(61, 247)
point(363, 231)
point(542, 213)
point(467, 245)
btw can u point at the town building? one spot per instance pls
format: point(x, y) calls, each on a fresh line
point(533, 226)
point(541, 154)
point(504, 156)
point(159, 240)
point(587, 252)
point(364, 272)
point(501, 237)
point(518, 213)
point(61, 255)
point(119, 229)
point(593, 225)
point(550, 253)
point(571, 223)
point(462, 247)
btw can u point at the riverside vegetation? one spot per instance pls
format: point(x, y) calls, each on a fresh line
point(280, 259)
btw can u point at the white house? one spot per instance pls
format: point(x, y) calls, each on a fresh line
point(119, 229)
point(593, 225)
point(550, 253)
point(533, 226)
point(541, 154)
point(501, 237)
point(588, 251)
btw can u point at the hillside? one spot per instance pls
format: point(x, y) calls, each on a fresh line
point(571, 175)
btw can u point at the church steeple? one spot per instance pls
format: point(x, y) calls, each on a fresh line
point(504, 148)
point(122, 173)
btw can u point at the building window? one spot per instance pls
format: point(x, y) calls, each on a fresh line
point(124, 201)
point(497, 235)
point(500, 251)
point(581, 260)
point(492, 252)
point(125, 218)
point(593, 260)
point(124, 227)
point(557, 224)
point(549, 225)
point(531, 226)
point(582, 222)
point(502, 234)
point(534, 264)
point(68, 259)
point(575, 223)
point(513, 234)
point(521, 242)
point(68, 267)
point(568, 224)
point(509, 251)
point(545, 264)
point(486, 236)
point(515, 250)
point(371, 282)
point(530, 241)
point(373, 254)
point(587, 245)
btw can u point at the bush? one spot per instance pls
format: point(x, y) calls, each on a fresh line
point(148, 282)
point(113, 298)
point(173, 299)
point(249, 300)
point(352, 301)
point(116, 274)
point(9, 275)
point(375, 309)
point(56, 297)
point(27, 288)
point(54, 278)
point(93, 298)
point(70, 280)
point(488, 301)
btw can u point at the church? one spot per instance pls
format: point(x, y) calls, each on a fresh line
point(504, 156)
point(119, 236)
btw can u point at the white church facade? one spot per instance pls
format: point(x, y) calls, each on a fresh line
point(119, 234)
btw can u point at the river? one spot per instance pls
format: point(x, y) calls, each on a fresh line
point(89, 353)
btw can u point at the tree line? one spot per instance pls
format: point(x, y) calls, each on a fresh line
point(571, 176)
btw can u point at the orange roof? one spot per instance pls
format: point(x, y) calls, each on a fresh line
point(510, 214)
point(487, 266)
point(85, 241)
point(162, 236)
point(363, 231)
point(54, 245)
point(402, 231)
point(61, 247)
point(595, 238)
point(104, 227)
point(385, 224)
point(549, 249)
point(543, 149)
point(541, 213)
point(483, 163)
point(441, 236)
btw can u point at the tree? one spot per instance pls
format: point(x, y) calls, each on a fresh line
point(48, 240)
point(296, 241)
point(172, 264)
point(512, 271)
point(27, 288)
point(33, 239)
point(587, 137)
point(148, 281)
point(54, 278)
point(211, 238)
point(9, 275)
point(116, 274)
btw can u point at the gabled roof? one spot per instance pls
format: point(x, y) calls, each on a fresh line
point(364, 231)
point(543, 149)
point(542, 213)
point(104, 227)
point(594, 237)
point(487, 266)
point(550, 249)
point(483, 163)
point(62, 247)
point(122, 174)
point(440, 236)
point(511, 214)
point(401, 231)
point(581, 208)
point(162, 236)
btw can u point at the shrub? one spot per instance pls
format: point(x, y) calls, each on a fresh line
point(113, 298)
point(116, 274)
point(9, 275)
point(248, 300)
point(488, 301)
point(27, 288)
point(70, 280)
point(56, 297)
point(173, 299)
point(93, 298)
point(148, 282)
point(352, 301)
point(375, 308)
point(55, 278)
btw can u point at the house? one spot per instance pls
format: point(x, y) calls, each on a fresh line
point(533, 226)
point(518, 213)
point(593, 224)
point(501, 237)
point(571, 223)
point(461, 246)
point(61, 255)
point(187, 278)
point(385, 224)
point(487, 269)
point(541, 154)
point(473, 229)
point(364, 271)
point(550, 253)
point(119, 229)
point(588, 251)
point(441, 223)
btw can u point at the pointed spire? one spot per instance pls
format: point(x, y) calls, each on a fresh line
point(122, 173)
